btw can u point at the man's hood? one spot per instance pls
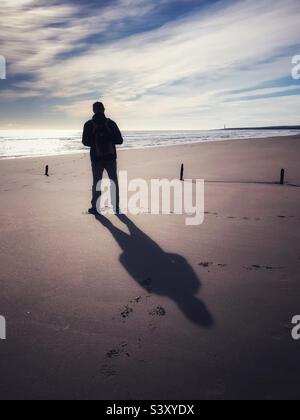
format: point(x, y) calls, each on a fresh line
point(99, 119)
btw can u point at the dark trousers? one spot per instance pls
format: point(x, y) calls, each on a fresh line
point(98, 168)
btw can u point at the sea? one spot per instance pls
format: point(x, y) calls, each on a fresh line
point(16, 144)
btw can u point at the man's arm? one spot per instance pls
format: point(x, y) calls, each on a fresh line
point(116, 133)
point(87, 135)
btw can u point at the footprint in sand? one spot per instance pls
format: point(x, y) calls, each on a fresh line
point(122, 349)
point(258, 267)
point(158, 311)
point(118, 351)
point(128, 309)
point(205, 264)
point(209, 264)
point(253, 267)
point(126, 312)
point(136, 300)
point(108, 371)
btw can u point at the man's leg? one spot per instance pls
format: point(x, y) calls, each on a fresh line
point(97, 170)
point(112, 172)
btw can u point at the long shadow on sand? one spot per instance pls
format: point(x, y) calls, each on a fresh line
point(159, 272)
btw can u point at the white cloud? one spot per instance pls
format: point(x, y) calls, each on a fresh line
point(264, 92)
point(185, 69)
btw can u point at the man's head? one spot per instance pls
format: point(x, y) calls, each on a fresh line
point(98, 108)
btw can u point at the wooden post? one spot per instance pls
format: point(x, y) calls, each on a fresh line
point(182, 172)
point(47, 171)
point(282, 176)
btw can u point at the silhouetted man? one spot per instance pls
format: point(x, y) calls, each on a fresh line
point(102, 134)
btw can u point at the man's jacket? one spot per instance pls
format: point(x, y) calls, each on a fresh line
point(89, 138)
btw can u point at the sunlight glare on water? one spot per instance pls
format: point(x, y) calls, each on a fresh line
point(17, 143)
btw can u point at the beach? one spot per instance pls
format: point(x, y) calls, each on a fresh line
point(145, 307)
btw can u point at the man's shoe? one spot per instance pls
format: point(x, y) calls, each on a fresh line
point(93, 211)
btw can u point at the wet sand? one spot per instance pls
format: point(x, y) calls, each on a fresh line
point(146, 307)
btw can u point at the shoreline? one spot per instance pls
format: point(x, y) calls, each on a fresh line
point(162, 146)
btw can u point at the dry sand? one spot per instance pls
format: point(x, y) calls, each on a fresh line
point(146, 307)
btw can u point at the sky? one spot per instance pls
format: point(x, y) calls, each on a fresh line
point(156, 64)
